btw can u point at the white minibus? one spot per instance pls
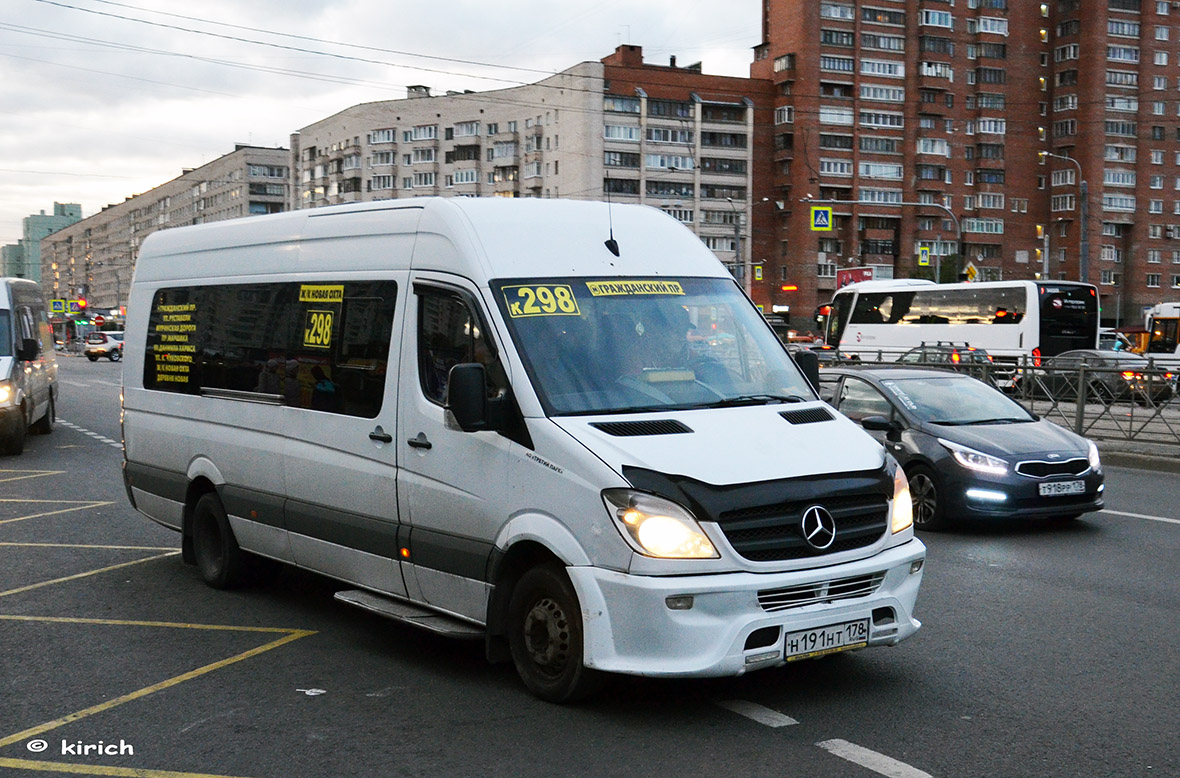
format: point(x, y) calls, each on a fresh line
point(28, 365)
point(558, 427)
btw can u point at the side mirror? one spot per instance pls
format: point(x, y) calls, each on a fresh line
point(27, 351)
point(467, 399)
point(808, 364)
point(878, 424)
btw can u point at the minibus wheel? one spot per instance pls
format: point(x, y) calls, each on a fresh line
point(545, 636)
point(221, 563)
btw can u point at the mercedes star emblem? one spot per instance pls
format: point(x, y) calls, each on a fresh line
point(819, 528)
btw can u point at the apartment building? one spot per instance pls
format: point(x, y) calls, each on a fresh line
point(664, 135)
point(95, 258)
point(928, 117)
point(23, 258)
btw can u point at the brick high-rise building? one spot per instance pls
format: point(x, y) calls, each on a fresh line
point(928, 117)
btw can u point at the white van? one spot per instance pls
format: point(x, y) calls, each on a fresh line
point(28, 366)
point(556, 426)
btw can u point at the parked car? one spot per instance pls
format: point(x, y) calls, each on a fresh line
point(1110, 339)
point(104, 344)
point(1111, 376)
point(945, 353)
point(968, 450)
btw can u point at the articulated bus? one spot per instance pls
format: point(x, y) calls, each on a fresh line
point(1163, 333)
point(1009, 319)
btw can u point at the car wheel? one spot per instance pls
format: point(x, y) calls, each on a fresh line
point(92, 357)
point(545, 636)
point(44, 425)
point(115, 355)
point(221, 563)
point(929, 512)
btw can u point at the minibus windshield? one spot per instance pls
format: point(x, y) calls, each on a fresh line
point(629, 345)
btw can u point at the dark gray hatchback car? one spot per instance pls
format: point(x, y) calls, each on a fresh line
point(967, 449)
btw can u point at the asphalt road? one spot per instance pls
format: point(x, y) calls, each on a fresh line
point(1048, 650)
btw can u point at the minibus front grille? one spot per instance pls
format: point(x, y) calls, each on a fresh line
point(630, 429)
point(763, 520)
point(774, 533)
point(820, 592)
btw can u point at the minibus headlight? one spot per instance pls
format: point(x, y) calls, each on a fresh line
point(6, 394)
point(657, 527)
point(903, 507)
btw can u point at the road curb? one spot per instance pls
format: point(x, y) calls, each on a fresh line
point(1161, 464)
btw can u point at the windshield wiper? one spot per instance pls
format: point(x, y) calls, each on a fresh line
point(754, 399)
point(969, 422)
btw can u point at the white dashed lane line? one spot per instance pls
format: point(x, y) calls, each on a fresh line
point(869, 759)
point(100, 438)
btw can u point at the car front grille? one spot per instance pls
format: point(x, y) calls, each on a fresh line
point(800, 596)
point(1040, 469)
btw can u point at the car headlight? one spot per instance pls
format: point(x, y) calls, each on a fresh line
point(657, 527)
point(903, 506)
point(1095, 461)
point(6, 394)
point(975, 460)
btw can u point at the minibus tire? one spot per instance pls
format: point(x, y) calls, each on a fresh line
point(44, 425)
point(16, 441)
point(221, 563)
point(545, 636)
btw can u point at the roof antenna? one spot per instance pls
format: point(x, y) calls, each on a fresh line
point(611, 244)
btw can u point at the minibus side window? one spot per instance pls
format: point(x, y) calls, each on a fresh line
point(450, 333)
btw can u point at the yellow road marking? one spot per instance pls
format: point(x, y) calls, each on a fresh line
point(30, 587)
point(82, 507)
point(135, 623)
point(88, 545)
point(83, 769)
point(135, 695)
point(5, 477)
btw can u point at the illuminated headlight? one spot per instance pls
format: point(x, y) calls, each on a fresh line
point(903, 507)
point(657, 527)
point(975, 460)
point(1095, 461)
point(6, 394)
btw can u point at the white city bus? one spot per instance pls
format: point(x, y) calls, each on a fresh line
point(1163, 333)
point(1009, 319)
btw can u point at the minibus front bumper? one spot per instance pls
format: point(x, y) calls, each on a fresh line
point(731, 623)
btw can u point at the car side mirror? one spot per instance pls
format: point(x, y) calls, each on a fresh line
point(467, 399)
point(808, 364)
point(878, 424)
point(27, 351)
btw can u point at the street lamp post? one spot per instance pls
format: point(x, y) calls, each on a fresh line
point(1084, 195)
point(949, 212)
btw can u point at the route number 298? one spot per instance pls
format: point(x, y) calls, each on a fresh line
point(317, 332)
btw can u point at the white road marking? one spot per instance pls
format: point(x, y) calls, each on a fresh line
point(101, 439)
point(878, 763)
point(756, 712)
point(1140, 516)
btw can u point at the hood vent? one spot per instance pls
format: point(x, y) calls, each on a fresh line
point(807, 415)
point(632, 429)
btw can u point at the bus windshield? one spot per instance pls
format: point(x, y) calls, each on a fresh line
point(1069, 318)
point(634, 345)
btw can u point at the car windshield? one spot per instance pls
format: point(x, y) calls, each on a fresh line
point(633, 345)
point(5, 335)
point(954, 400)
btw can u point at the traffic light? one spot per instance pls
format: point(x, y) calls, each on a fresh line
point(81, 303)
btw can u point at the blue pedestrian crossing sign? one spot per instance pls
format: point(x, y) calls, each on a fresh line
point(924, 256)
point(821, 217)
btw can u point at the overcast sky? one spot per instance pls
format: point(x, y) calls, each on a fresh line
point(103, 99)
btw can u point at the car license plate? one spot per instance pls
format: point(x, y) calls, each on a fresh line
point(826, 640)
point(1054, 488)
